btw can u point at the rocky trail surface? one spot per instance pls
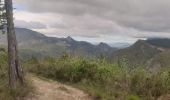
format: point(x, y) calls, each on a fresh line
point(50, 90)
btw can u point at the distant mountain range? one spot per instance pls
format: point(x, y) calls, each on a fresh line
point(152, 53)
point(160, 42)
point(34, 44)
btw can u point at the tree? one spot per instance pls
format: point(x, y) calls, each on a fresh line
point(15, 70)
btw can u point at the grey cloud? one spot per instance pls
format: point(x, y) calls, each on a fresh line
point(106, 16)
point(60, 25)
point(29, 25)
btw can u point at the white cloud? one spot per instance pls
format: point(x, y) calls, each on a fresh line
point(29, 25)
point(99, 19)
point(38, 17)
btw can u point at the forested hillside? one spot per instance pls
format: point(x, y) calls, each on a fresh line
point(34, 44)
point(84, 50)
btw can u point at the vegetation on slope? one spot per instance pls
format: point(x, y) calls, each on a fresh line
point(138, 54)
point(161, 60)
point(32, 43)
point(5, 91)
point(102, 80)
point(160, 42)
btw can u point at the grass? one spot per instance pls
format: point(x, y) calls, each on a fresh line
point(5, 92)
point(102, 80)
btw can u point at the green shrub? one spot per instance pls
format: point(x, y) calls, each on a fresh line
point(5, 91)
point(132, 97)
point(104, 81)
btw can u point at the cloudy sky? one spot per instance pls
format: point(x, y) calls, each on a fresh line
point(108, 21)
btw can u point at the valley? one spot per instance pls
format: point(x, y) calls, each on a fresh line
point(84, 50)
point(82, 65)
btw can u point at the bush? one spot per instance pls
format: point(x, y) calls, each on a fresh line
point(104, 81)
point(5, 92)
point(132, 97)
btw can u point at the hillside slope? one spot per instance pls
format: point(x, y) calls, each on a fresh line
point(161, 60)
point(136, 55)
point(34, 44)
point(159, 42)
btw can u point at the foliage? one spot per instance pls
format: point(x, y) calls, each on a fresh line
point(102, 80)
point(132, 97)
point(5, 92)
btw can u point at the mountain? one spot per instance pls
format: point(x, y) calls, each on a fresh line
point(139, 54)
point(32, 43)
point(152, 53)
point(160, 42)
point(161, 60)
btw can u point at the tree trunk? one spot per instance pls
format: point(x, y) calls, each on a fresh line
point(17, 63)
point(15, 71)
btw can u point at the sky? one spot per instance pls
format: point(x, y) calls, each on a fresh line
point(110, 21)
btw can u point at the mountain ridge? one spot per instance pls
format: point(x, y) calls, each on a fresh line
point(32, 43)
point(136, 55)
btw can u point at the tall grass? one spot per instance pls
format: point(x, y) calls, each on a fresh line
point(102, 80)
point(5, 92)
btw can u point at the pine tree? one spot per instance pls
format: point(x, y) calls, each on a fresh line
point(6, 23)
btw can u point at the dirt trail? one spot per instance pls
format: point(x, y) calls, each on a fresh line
point(50, 90)
point(165, 97)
